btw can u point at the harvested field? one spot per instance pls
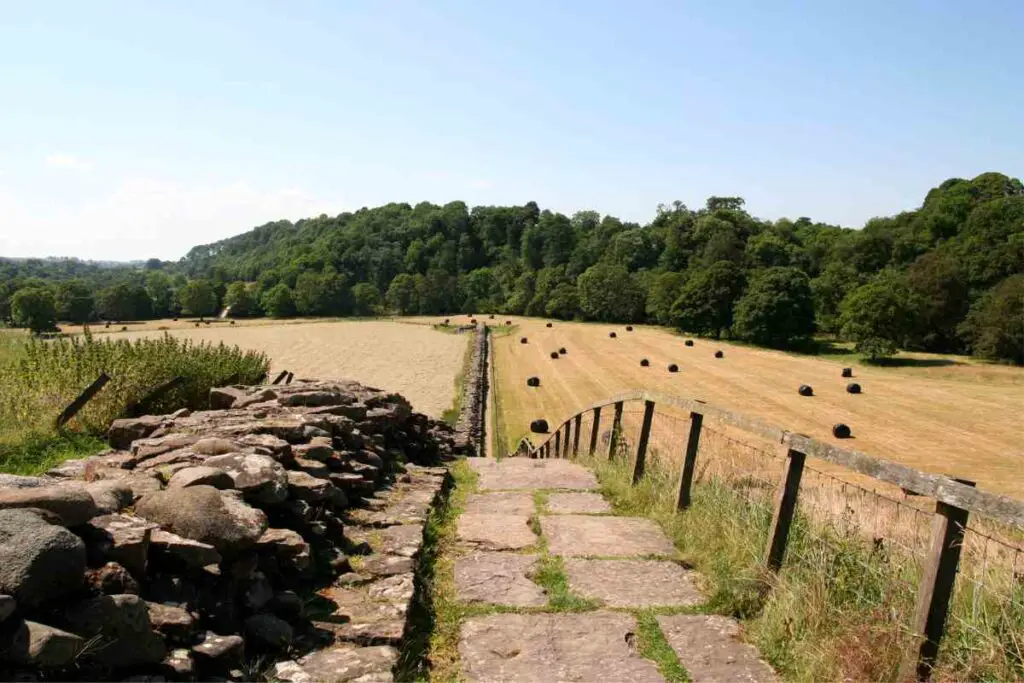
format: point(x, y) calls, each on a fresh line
point(945, 415)
point(413, 360)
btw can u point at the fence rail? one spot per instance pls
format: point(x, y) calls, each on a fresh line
point(778, 479)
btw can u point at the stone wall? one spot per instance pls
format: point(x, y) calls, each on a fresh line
point(274, 535)
point(471, 423)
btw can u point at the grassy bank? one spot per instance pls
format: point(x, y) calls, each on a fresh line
point(38, 379)
point(842, 606)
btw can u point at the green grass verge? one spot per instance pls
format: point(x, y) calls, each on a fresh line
point(34, 453)
point(651, 644)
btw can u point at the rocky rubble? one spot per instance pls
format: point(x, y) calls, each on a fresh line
point(281, 527)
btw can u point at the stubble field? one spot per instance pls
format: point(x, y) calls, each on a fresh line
point(413, 360)
point(954, 416)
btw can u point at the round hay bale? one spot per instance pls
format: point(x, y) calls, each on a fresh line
point(562, 351)
point(853, 388)
point(847, 372)
point(612, 335)
point(548, 325)
point(107, 326)
point(232, 322)
point(533, 381)
point(805, 390)
point(522, 340)
point(644, 362)
point(473, 321)
point(207, 322)
point(539, 426)
point(124, 328)
point(446, 320)
point(554, 354)
point(688, 342)
point(629, 328)
point(197, 325)
point(175, 320)
point(841, 431)
point(673, 368)
point(719, 354)
point(492, 316)
point(508, 322)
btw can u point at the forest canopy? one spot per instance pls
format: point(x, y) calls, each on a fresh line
point(942, 278)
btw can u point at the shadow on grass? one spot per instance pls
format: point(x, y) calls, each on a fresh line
point(35, 453)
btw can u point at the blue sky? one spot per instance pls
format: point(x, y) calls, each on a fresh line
point(138, 129)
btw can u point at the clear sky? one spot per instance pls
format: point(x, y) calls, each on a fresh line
point(138, 129)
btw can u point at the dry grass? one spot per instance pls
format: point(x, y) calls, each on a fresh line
point(412, 360)
point(959, 419)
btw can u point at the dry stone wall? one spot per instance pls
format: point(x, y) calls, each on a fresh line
point(470, 425)
point(282, 527)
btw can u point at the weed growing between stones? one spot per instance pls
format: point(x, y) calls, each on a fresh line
point(651, 644)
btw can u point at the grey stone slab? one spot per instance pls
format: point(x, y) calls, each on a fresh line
point(710, 649)
point(576, 503)
point(633, 583)
point(524, 473)
point(508, 503)
point(498, 579)
point(496, 532)
point(595, 646)
point(590, 536)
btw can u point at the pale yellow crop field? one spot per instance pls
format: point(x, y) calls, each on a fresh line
point(964, 419)
point(412, 360)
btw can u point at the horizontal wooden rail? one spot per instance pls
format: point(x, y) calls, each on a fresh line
point(943, 489)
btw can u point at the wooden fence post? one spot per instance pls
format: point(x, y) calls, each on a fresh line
point(558, 442)
point(565, 439)
point(576, 435)
point(689, 461)
point(595, 430)
point(613, 440)
point(785, 508)
point(280, 377)
point(641, 446)
point(82, 399)
point(936, 588)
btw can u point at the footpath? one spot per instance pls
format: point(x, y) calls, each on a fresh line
point(560, 589)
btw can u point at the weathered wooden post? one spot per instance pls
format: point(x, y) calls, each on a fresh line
point(785, 509)
point(689, 461)
point(565, 439)
point(280, 377)
point(936, 588)
point(613, 440)
point(82, 399)
point(558, 442)
point(641, 446)
point(595, 430)
point(576, 435)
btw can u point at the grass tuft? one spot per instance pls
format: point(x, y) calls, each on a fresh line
point(652, 645)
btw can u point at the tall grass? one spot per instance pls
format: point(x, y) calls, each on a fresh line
point(39, 378)
point(842, 605)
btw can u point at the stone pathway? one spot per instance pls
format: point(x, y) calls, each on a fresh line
point(613, 566)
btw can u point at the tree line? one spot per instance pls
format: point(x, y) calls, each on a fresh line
point(947, 277)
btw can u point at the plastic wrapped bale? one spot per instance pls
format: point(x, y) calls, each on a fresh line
point(562, 351)
point(644, 362)
point(548, 325)
point(629, 328)
point(688, 342)
point(805, 390)
point(533, 382)
point(853, 388)
point(508, 322)
point(719, 354)
point(539, 426)
point(522, 340)
point(612, 335)
point(841, 431)
point(447, 320)
point(847, 372)
point(673, 368)
point(554, 355)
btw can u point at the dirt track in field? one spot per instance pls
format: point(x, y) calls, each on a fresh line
point(413, 360)
point(962, 419)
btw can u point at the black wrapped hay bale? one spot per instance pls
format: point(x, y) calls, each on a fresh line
point(644, 362)
point(539, 426)
point(612, 335)
point(446, 320)
point(673, 368)
point(554, 354)
point(853, 388)
point(562, 351)
point(508, 322)
point(522, 340)
point(629, 328)
point(688, 342)
point(847, 372)
point(840, 431)
point(548, 325)
point(492, 316)
point(719, 354)
point(805, 390)
point(533, 382)
point(473, 321)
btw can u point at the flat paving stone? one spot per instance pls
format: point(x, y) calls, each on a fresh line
point(595, 646)
point(524, 473)
point(496, 532)
point(506, 503)
point(710, 649)
point(633, 583)
point(573, 503)
point(590, 536)
point(498, 579)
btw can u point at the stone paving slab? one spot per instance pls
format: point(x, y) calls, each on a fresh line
point(573, 503)
point(509, 503)
point(524, 473)
point(590, 536)
point(710, 649)
point(498, 579)
point(633, 583)
point(595, 646)
point(496, 532)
